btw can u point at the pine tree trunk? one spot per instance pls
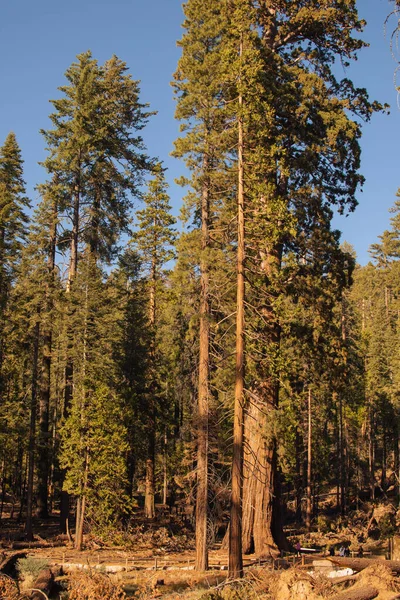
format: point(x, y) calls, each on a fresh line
point(80, 513)
point(235, 530)
point(3, 487)
point(165, 474)
point(149, 506)
point(149, 502)
point(371, 454)
point(309, 465)
point(384, 459)
point(43, 450)
point(203, 387)
point(299, 476)
point(342, 461)
point(69, 369)
point(32, 434)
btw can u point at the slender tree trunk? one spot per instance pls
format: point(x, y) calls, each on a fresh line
point(203, 384)
point(299, 476)
point(149, 502)
point(309, 464)
point(80, 516)
point(32, 434)
point(81, 504)
point(165, 477)
point(3, 486)
point(235, 530)
point(384, 459)
point(371, 453)
point(69, 369)
point(149, 506)
point(43, 450)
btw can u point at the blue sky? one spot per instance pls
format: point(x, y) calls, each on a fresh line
point(40, 39)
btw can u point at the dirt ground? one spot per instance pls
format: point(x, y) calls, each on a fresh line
point(157, 561)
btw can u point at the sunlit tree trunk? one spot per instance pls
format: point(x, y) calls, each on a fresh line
point(235, 531)
point(203, 382)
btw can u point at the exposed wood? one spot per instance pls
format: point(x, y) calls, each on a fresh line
point(361, 593)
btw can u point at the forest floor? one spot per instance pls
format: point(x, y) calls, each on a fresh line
point(156, 560)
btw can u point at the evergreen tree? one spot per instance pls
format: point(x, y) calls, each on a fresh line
point(13, 220)
point(97, 161)
point(154, 240)
point(296, 153)
point(199, 83)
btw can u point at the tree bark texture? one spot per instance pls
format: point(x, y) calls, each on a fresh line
point(203, 385)
point(235, 530)
point(366, 592)
point(258, 483)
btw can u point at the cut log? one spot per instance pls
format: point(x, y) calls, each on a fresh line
point(358, 564)
point(366, 592)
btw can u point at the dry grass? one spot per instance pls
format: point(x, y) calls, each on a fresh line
point(91, 585)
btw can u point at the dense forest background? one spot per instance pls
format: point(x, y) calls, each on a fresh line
point(241, 361)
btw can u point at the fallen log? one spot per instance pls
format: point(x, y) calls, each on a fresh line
point(358, 564)
point(366, 592)
point(33, 545)
point(344, 579)
point(7, 562)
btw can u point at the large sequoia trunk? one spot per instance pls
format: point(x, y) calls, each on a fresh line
point(262, 515)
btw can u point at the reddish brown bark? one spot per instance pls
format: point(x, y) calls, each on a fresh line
point(203, 387)
point(235, 530)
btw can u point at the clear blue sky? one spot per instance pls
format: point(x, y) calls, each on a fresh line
point(40, 39)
